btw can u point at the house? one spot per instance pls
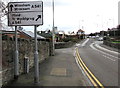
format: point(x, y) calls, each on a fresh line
point(114, 32)
point(81, 34)
point(29, 35)
point(60, 36)
point(103, 33)
point(11, 34)
point(21, 34)
point(47, 35)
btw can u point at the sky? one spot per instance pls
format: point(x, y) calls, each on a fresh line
point(72, 15)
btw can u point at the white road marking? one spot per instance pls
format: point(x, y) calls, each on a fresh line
point(108, 58)
point(106, 49)
point(74, 52)
point(63, 51)
point(91, 45)
point(102, 51)
point(77, 44)
point(84, 43)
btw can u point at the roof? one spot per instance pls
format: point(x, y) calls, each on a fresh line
point(61, 32)
point(80, 30)
point(8, 32)
point(113, 29)
point(31, 34)
point(28, 33)
point(46, 35)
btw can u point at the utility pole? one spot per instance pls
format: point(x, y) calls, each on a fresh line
point(0, 43)
point(53, 32)
point(82, 24)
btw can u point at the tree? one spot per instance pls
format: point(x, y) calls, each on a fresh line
point(91, 34)
point(118, 27)
point(3, 15)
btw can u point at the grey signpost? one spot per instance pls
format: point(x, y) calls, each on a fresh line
point(26, 14)
point(36, 60)
point(16, 63)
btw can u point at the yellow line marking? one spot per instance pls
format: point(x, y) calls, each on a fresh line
point(87, 73)
point(88, 69)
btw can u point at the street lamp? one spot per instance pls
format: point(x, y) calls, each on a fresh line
point(53, 34)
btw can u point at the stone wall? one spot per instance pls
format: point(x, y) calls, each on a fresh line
point(26, 49)
point(114, 45)
point(59, 45)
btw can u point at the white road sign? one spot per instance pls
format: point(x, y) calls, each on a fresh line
point(25, 6)
point(25, 19)
point(25, 13)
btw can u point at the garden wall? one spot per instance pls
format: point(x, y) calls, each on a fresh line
point(114, 45)
point(26, 49)
point(59, 45)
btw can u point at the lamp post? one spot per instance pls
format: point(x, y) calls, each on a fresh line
point(0, 43)
point(53, 34)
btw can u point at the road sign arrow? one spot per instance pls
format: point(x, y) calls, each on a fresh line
point(39, 16)
point(11, 6)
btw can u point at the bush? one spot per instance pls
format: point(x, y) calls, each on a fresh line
point(4, 37)
point(71, 39)
point(66, 39)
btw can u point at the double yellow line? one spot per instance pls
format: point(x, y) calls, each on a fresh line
point(89, 74)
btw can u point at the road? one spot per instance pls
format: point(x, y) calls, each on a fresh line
point(100, 61)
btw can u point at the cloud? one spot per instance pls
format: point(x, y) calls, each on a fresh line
point(48, 3)
point(70, 13)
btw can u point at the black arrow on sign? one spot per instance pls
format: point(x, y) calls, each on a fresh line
point(39, 16)
point(11, 6)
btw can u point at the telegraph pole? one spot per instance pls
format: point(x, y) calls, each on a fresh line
point(0, 44)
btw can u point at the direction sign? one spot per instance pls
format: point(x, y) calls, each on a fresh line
point(25, 19)
point(25, 6)
point(25, 13)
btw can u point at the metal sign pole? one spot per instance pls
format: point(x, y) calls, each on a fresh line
point(36, 60)
point(16, 63)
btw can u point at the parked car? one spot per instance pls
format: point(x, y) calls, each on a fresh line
point(100, 39)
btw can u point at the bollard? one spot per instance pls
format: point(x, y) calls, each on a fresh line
point(26, 65)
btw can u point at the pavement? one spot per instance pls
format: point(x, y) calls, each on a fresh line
point(58, 70)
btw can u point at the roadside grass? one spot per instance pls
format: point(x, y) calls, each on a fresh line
point(116, 42)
